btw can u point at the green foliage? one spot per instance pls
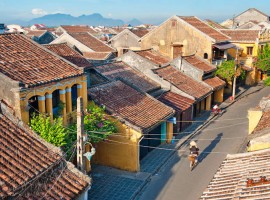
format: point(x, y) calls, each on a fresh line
point(226, 70)
point(96, 121)
point(53, 133)
point(263, 61)
point(267, 81)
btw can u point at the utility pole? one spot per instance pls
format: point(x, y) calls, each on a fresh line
point(80, 134)
point(234, 78)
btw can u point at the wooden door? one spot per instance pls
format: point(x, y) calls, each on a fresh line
point(177, 51)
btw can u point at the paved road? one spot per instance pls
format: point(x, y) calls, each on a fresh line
point(226, 135)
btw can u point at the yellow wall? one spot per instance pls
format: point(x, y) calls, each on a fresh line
point(218, 95)
point(123, 153)
point(259, 146)
point(254, 116)
point(166, 35)
point(48, 89)
point(169, 127)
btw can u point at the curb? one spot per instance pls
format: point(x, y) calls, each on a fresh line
point(194, 133)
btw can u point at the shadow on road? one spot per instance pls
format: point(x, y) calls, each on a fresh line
point(210, 147)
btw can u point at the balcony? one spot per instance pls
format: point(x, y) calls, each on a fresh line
point(218, 62)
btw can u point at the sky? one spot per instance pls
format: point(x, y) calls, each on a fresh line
point(148, 11)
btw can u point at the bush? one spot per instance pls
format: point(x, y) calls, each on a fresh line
point(267, 82)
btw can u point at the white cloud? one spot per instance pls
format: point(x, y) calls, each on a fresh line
point(38, 11)
point(110, 14)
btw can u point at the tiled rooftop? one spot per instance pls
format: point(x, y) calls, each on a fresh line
point(205, 28)
point(183, 82)
point(264, 122)
point(176, 101)
point(230, 181)
point(214, 24)
point(92, 42)
point(36, 33)
point(122, 70)
point(79, 29)
point(139, 32)
point(97, 55)
point(199, 63)
point(30, 168)
point(153, 56)
point(69, 54)
point(240, 35)
point(140, 110)
point(23, 60)
point(215, 82)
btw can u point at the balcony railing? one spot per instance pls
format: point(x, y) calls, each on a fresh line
point(218, 62)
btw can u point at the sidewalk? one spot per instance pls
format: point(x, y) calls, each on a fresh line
point(114, 184)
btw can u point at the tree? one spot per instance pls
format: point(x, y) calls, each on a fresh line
point(263, 60)
point(226, 70)
point(97, 124)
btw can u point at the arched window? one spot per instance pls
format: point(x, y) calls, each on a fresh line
point(205, 56)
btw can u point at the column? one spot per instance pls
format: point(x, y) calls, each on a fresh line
point(84, 94)
point(49, 107)
point(68, 101)
point(79, 90)
point(208, 103)
point(218, 95)
point(169, 127)
point(41, 104)
point(24, 109)
point(62, 94)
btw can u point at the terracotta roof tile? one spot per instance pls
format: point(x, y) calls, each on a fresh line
point(25, 160)
point(139, 32)
point(36, 33)
point(69, 54)
point(122, 70)
point(23, 60)
point(264, 122)
point(214, 24)
point(230, 181)
point(200, 63)
point(153, 56)
point(183, 82)
point(92, 42)
point(140, 110)
point(205, 28)
point(241, 35)
point(79, 29)
point(176, 101)
point(215, 82)
point(97, 55)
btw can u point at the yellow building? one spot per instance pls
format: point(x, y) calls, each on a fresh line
point(250, 43)
point(35, 80)
point(140, 118)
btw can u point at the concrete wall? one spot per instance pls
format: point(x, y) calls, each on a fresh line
point(9, 92)
point(188, 69)
point(120, 151)
point(254, 116)
point(262, 142)
point(249, 15)
point(164, 36)
point(141, 64)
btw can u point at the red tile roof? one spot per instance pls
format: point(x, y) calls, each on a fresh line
point(230, 181)
point(92, 42)
point(205, 28)
point(97, 55)
point(214, 24)
point(199, 63)
point(153, 56)
point(79, 29)
point(183, 82)
point(122, 70)
point(69, 54)
point(139, 32)
point(24, 60)
point(176, 101)
point(240, 35)
point(264, 122)
point(28, 160)
point(142, 111)
point(215, 82)
point(36, 33)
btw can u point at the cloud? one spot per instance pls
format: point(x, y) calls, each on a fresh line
point(110, 14)
point(38, 11)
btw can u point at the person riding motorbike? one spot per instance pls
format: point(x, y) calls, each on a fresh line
point(194, 150)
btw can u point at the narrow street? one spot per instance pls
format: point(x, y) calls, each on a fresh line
point(225, 135)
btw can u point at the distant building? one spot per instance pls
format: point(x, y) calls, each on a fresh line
point(41, 36)
point(14, 28)
point(38, 27)
point(2, 28)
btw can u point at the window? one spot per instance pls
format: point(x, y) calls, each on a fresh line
point(249, 51)
point(173, 23)
point(205, 56)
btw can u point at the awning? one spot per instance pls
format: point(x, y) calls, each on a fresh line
point(224, 46)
